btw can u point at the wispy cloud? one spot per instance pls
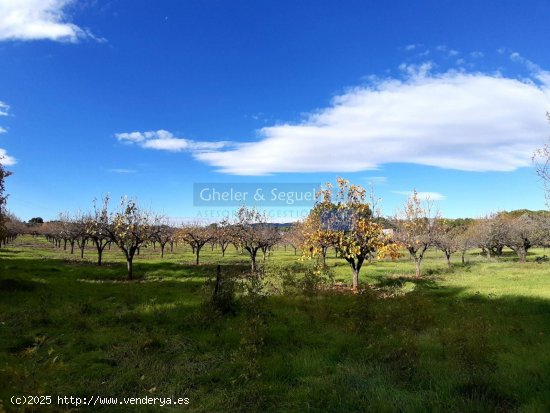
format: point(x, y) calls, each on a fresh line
point(453, 120)
point(4, 108)
point(5, 159)
point(39, 19)
point(165, 141)
point(517, 58)
point(122, 171)
point(424, 196)
point(376, 180)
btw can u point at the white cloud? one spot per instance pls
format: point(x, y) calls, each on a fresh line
point(5, 159)
point(477, 55)
point(39, 19)
point(171, 144)
point(452, 120)
point(130, 137)
point(424, 196)
point(166, 141)
point(3, 130)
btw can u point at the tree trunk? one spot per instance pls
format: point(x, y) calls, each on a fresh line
point(130, 269)
point(82, 250)
point(463, 261)
point(417, 266)
point(72, 247)
point(162, 250)
point(355, 279)
point(253, 261)
point(197, 252)
point(448, 256)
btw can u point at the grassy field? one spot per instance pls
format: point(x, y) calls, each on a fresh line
point(473, 338)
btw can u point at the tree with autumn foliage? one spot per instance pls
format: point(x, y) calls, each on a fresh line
point(317, 239)
point(344, 219)
point(418, 226)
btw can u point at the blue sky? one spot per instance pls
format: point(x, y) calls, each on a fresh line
point(145, 99)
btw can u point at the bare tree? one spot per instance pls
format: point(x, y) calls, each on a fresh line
point(96, 227)
point(253, 233)
point(295, 236)
point(13, 227)
point(52, 232)
point(522, 233)
point(79, 233)
point(129, 228)
point(163, 234)
point(490, 234)
point(466, 240)
point(223, 234)
point(541, 159)
point(196, 235)
point(417, 224)
point(445, 239)
point(3, 200)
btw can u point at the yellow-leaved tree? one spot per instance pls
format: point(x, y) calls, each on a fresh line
point(344, 220)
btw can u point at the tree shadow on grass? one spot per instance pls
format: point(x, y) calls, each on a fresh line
point(60, 270)
point(400, 280)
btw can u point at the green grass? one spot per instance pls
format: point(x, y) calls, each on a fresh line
point(472, 338)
